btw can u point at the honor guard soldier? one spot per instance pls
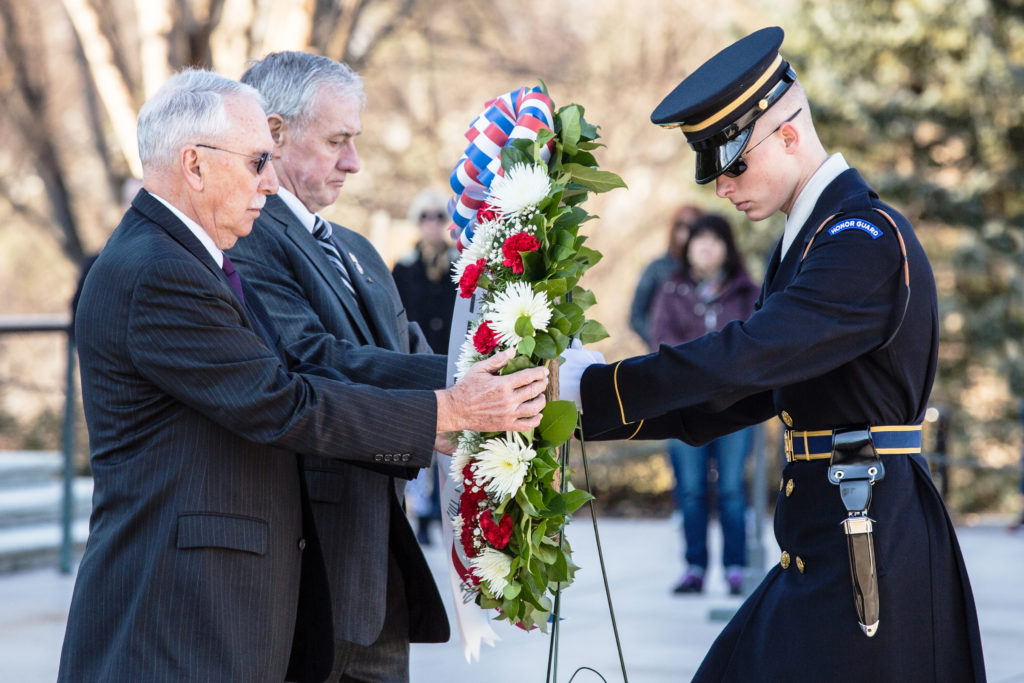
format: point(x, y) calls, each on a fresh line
point(842, 348)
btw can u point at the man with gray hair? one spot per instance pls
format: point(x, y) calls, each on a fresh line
point(329, 292)
point(202, 561)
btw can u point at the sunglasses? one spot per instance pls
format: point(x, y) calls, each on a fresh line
point(740, 165)
point(260, 159)
point(433, 216)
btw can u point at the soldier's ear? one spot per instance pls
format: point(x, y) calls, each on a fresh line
point(277, 128)
point(790, 137)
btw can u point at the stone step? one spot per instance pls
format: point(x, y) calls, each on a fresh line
point(41, 503)
point(38, 545)
point(23, 468)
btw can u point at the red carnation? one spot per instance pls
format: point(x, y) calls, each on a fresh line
point(496, 534)
point(487, 212)
point(514, 246)
point(470, 276)
point(484, 339)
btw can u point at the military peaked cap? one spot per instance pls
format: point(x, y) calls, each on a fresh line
point(716, 105)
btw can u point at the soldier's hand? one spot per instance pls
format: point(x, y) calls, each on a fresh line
point(485, 402)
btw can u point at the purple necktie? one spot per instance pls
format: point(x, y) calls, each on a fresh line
point(233, 277)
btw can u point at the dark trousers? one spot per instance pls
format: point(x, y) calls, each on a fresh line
point(387, 659)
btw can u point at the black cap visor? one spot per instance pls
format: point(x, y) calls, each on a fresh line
point(713, 160)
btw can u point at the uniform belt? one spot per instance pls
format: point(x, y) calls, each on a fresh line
point(817, 445)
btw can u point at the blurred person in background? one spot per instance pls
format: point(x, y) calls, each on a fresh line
point(423, 278)
point(659, 270)
point(1019, 522)
point(709, 289)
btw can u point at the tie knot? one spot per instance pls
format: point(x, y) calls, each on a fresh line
point(322, 229)
point(228, 266)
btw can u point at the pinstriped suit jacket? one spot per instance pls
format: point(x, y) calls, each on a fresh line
point(357, 511)
point(193, 569)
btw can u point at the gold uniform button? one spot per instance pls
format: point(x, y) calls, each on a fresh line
point(781, 483)
point(800, 564)
point(784, 560)
point(787, 419)
point(789, 488)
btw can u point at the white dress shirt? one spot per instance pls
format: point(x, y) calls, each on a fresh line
point(197, 230)
point(808, 197)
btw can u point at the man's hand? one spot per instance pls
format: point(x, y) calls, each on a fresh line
point(484, 402)
point(576, 360)
point(446, 442)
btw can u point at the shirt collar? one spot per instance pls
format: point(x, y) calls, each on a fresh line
point(305, 216)
point(808, 197)
point(203, 236)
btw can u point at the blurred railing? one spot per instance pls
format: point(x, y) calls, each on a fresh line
point(59, 324)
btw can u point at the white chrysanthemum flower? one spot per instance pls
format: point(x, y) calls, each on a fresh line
point(493, 566)
point(468, 356)
point(458, 463)
point(479, 248)
point(502, 464)
point(515, 301)
point(522, 186)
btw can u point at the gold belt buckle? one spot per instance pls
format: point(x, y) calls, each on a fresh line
point(788, 439)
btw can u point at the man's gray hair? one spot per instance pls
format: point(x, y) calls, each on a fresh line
point(188, 108)
point(290, 81)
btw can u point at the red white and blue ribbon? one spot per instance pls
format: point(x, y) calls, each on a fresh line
point(515, 115)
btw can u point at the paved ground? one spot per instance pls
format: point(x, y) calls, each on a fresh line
point(663, 637)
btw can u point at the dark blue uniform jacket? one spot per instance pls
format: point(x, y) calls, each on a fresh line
point(815, 354)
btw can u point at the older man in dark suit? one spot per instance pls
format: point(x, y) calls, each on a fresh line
point(202, 561)
point(328, 290)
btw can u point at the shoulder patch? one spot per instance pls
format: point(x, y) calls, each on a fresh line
point(857, 224)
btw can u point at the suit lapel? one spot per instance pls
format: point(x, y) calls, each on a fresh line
point(377, 302)
point(307, 244)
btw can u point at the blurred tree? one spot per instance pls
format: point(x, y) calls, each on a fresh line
point(924, 96)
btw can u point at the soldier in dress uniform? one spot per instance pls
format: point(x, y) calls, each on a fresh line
point(842, 347)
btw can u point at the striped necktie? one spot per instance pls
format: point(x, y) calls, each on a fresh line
point(322, 232)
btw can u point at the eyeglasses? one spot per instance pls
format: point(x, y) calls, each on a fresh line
point(740, 165)
point(260, 159)
point(433, 216)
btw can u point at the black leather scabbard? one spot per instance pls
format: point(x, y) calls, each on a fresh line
point(861, 549)
point(854, 468)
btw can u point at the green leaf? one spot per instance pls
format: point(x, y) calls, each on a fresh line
point(533, 265)
point(524, 328)
point(560, 253)
point(543, 135)
point(591, 256)
point(588, 130)
point(526, 346)
point(584, 158)
point(545, 347)
point(512, 589)
point(555, 287)
point(558, 421)
point(575, 499)
point(592, 331)
point(598, 181)
point(569, 117)
point(587, 145)
point(561, 340)
point(560, 569)
point(583, 298)
point(534, 498)
point(519, 362)
point(511, 156)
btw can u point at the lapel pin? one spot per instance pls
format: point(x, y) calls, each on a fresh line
point(356, 262)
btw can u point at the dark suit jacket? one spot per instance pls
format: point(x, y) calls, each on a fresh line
point(357, 511)
point(194, 567)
